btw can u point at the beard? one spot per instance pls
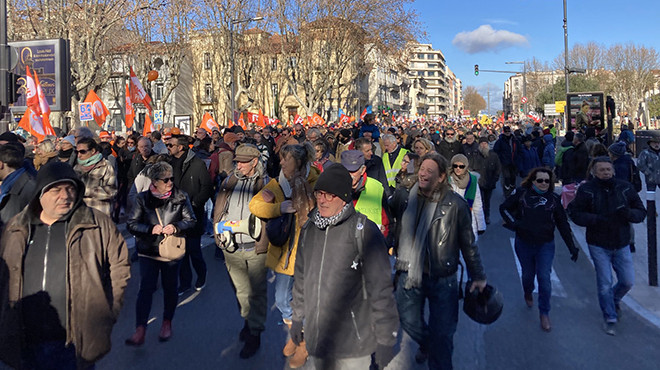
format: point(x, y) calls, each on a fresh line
point(450, 139)
point(484, 151)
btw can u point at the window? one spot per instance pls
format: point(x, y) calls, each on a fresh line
point(159, 91)
point(420, 56)
point(273, 64)
point(208, 93)
point(207, 61)
point(275, 90)
point(431, 56)
point(432, 65)
point(420, 73)
point(431, 73)
point(117, 65)
point(293, 62)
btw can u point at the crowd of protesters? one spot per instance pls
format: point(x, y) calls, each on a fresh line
point(409, 197)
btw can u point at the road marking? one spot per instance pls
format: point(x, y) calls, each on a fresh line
point(557, 289)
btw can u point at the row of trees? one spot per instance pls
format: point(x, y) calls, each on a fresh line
point(340, 32)
point(624, 71)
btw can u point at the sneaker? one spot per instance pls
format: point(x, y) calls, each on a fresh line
point(200, 283)
point(252, 344)
point(183, 289)
point(610, 328)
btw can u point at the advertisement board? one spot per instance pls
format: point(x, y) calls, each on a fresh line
point(596, 111)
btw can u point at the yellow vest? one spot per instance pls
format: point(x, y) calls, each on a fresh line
point(370, 202)
point(392, 170)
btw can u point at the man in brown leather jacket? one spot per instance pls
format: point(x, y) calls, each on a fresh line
point(63, 271)
point(435, 227)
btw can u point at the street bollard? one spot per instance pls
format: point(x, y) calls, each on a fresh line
point(652, 238)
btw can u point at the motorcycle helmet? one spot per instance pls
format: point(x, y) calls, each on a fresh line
point(483, 307)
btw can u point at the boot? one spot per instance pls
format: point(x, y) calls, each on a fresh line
point(242, 336)
point(299, 357)
point(165, 331)
point(252, 343)
point(137, 339)
point(290, 347)
point(529, 300)
point(545, 323)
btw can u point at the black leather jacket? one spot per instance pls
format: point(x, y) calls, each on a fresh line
point(174, 210)
point(451, 232)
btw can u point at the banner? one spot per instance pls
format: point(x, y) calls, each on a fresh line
point(99, 110)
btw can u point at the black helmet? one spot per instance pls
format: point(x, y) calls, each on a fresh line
point(483, 307)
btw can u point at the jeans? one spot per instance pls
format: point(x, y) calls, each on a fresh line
point(486, 194)
point(536, 260)
point(247, 271)
point(283, 294)
point(341, 363)
point(149, 269)
point(193, 255)
point(604, 260)
point(436, 337)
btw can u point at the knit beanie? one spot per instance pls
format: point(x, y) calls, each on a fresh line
point(459, 158)
point(618, 149)
point(336, 180)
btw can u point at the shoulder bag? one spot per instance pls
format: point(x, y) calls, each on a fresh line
point(171, 248)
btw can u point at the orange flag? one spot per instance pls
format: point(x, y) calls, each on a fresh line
point(241, 122)
point(148, 125)
point(138, 93)
point(261, 119)
point(44, 107)
point(130, 113)
point(317, 120)
point(32, 123)
point(99, 110)
point(208, 123)
point(32, 97)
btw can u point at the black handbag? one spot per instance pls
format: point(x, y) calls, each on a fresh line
point(279, 229)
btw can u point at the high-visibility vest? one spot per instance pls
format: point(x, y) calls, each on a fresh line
point(370, 202)
point(392, 170)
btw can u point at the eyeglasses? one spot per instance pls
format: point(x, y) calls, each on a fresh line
point(541, 181)
point(167, 179)
point(461, 166)
point(169, 145)
point(83, 151)
point(326, 196)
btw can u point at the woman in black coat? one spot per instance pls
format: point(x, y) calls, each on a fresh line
point(173, 207)
point(533, 211)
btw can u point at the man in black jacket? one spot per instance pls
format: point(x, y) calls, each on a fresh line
point(342, 286)
point(17, 183)
point(191, 176)
point(506, 148)
point(575, 161)
point(450, 145)
point(607, 206)
point(436, 225)
point(487, 164)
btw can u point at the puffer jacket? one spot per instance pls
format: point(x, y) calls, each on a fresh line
point(450, 233)
point(196, 182)
point(280, 259)
point(344, 297)
point(649, 164)
point(607, 208)
point(98, 270)
point(175, 210)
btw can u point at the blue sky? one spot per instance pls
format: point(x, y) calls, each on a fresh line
point(489, 33)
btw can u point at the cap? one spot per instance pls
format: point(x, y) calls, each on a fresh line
point(105, 135)
point(9, 137)
point(352, 160)
point(71, 139)
point(246, 152)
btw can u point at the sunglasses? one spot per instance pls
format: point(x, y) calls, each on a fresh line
point(541, 181)
point(167, 179)
point(83, 151)
point(450, 134)
point(461, 166)
point(169, 145)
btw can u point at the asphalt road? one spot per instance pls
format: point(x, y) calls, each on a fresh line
point(206, 325)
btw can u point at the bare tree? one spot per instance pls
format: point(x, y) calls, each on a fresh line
point(472, 100)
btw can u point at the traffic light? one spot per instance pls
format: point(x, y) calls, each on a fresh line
point(476, 70)
point(12, 87)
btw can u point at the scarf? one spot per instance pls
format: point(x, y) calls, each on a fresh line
point(65, 153)
point(462, 181)
point(413, 245)
point(9, 181)
point(323, 222)
point(299, 191)
point(88, 164)
point(158, 195)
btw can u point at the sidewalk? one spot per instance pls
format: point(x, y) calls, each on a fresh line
point(643, 298)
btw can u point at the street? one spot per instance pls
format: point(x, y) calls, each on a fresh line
point(207, 324)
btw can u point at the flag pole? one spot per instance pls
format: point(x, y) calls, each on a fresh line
point(4, 69)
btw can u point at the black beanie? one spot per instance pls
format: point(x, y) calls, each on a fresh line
point(336, 180)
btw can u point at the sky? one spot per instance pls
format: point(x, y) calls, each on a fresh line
point(490, 33)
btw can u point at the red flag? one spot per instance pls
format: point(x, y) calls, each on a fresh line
point(45, 108)
point(297, 120)
point(138, 93)
point(32, 123)
point(261, 119)
point(252, 118)
point(130, 113)
point(32, 97)
point(148, 125)
point(501, 119)
point(99, 110)
point(317, 120)
point(208, 123)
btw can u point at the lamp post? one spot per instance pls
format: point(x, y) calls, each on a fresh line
point(524, 81)
point(566, 72)
point(231, 51)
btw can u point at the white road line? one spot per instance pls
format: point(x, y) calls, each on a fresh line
point(557, 289)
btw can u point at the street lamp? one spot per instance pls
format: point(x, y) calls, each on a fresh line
point(524, 80)
point(231, 51)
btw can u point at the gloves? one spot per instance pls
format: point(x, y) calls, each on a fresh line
point(296, 332)
point(384, 354)
point(574, 254)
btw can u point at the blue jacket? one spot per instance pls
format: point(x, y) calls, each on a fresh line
point(548, 157)
point(526, 160)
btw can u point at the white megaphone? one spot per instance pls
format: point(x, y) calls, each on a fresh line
point(250, 226)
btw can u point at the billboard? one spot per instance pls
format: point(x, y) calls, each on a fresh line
point(50, 60)
point(596, 112)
